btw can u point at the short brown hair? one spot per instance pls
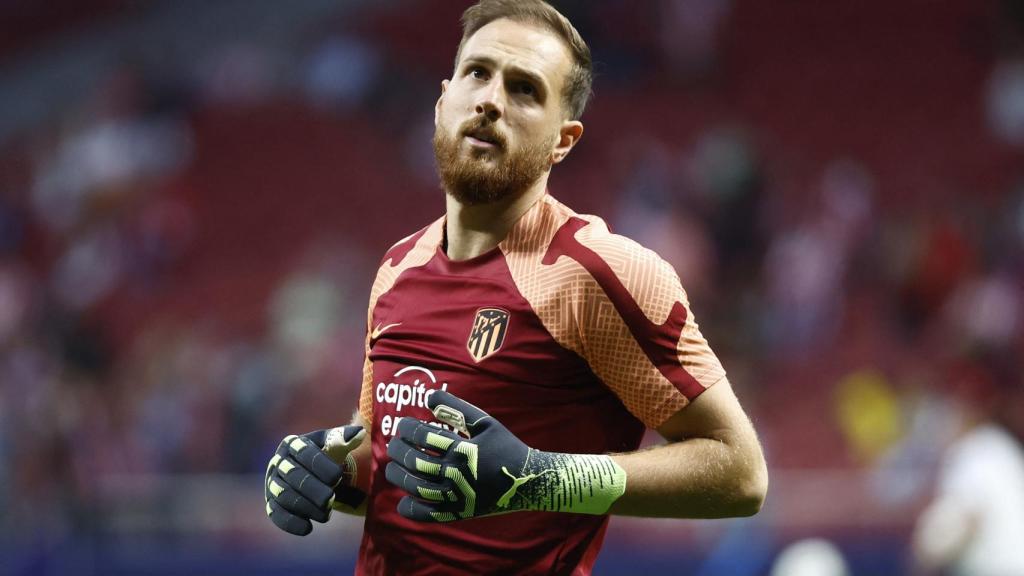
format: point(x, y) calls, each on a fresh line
point(581, 76)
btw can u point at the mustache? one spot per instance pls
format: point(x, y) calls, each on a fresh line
point(483, 129)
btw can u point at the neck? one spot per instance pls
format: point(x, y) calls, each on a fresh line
point(473, 230)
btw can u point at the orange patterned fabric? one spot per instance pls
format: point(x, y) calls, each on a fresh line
point(579, 312)
point(398, 259)
point(581, 316)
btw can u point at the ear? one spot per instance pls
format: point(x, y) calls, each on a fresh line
point(568, 136)
point(437, 107)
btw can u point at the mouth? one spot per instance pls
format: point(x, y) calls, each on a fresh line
point(483, 139)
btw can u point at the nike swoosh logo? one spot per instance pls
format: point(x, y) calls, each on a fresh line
point(380, 330)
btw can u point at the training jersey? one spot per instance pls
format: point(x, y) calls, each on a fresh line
point(574, 338)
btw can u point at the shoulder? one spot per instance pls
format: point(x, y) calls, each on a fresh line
point(414, 250)
point(428, 235)
point(572, 267)
point(623, 308)
point(564, 240)
point(620, 266)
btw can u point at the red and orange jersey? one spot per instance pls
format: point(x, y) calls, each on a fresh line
point(574, 338)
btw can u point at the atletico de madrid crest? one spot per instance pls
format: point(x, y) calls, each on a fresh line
point(489, 329)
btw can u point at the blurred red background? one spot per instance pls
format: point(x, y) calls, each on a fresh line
point(194, 195)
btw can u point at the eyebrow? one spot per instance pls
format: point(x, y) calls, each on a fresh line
point(534, 77)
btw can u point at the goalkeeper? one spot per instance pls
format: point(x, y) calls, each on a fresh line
point(516, 352)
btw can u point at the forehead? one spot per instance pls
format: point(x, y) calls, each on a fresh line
point(525, 45)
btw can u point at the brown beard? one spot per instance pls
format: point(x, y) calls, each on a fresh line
point(470, 181)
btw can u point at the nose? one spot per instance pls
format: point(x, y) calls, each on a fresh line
point(490, 102)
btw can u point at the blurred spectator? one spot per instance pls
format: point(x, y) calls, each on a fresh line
point(90, 269)
point(804, 269)
point(12, 225)
point(108, 157)
point(689, 35)
point(341, 72)
point(806, 265)
point(869, 414)
point(1006, 102)
point(812, 557)
point(904, 473)
point(986, 311)
point(238, 74)
point(15, 300)
point(975, 524)
point(310, 306)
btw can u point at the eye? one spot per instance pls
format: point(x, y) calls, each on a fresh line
point(526, 89)
point(478, 73)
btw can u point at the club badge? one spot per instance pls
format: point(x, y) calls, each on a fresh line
point(489, 329)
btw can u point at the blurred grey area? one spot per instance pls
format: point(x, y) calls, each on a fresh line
point(194, 196)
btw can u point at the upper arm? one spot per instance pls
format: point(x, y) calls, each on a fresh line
point(715, 414)
point(637, 331)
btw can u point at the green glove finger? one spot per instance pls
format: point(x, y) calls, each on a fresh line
point(313, 459)
point(421, 435)
point(423, 488)
point(413, 459)
point(294, 502)
point(287, 521)
point(414, 509)
point(302, 481)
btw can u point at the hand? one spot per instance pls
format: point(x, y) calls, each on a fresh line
point(311, 474)
point(449, 477)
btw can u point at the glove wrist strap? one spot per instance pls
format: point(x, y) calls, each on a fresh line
point(557, 482)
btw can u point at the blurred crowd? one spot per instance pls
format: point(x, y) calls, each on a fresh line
point(857, 314)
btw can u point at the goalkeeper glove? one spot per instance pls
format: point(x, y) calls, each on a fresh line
point(310, 475)
point(449, 477)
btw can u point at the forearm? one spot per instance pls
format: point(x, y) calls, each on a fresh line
point(694, 478)
point(361, 457)
point(712, 471)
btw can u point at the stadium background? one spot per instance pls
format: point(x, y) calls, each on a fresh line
point(194, 195)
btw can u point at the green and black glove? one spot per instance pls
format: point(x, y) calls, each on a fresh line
point(310, 475)
point(450, 477)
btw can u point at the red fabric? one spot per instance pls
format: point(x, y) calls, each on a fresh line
point(543, 393)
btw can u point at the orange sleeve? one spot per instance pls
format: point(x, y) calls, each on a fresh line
point(366, 391)
point(619, 306)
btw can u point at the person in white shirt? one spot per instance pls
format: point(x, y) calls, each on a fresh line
point(975, 524)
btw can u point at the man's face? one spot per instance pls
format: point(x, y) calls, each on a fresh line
point(498, 121)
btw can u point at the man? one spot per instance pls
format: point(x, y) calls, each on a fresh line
point(516, 351)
